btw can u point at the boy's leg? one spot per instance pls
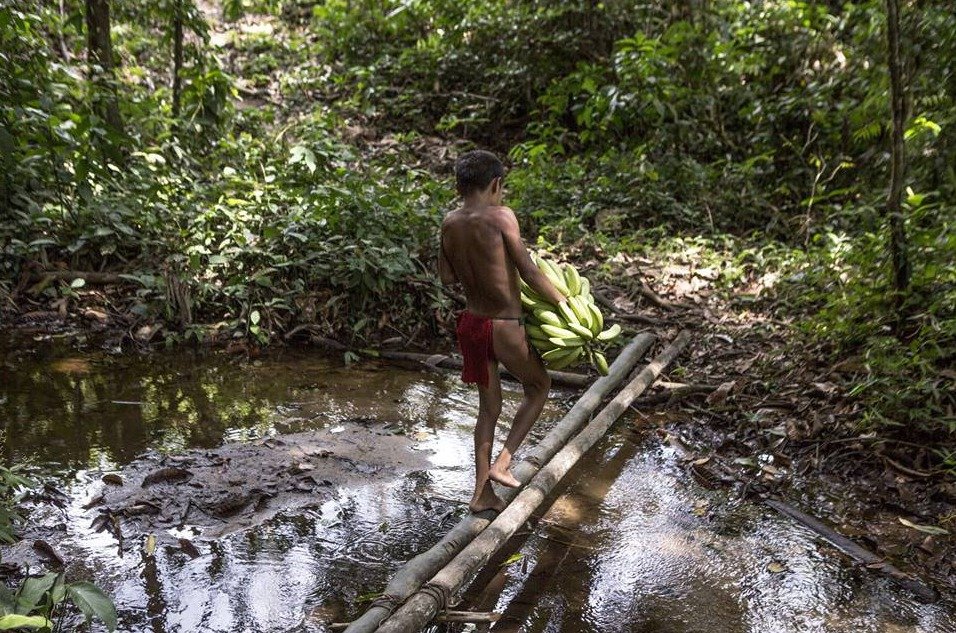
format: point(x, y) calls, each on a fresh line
point(489, 408)
point(514, 352)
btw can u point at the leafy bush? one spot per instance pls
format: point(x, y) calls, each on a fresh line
point(12, 486)
point(37, 604)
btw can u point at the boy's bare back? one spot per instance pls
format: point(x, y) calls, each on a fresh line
point(482, 249)
point(477, 243)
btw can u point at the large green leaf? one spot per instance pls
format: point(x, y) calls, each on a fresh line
point(93, 602)
point(8, 601)
point(17, 621)
point(32, 591)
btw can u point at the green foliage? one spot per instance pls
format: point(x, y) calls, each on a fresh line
point(38, 603)
point(472, 68)
point(292, 189)
point(12, 486)
point(845, 288)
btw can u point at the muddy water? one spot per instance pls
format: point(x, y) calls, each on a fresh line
point(629, 544)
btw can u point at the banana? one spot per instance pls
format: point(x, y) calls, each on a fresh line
point(545, 345)
point(558, 354)
point(548, 317)
point(554, 275)
point(572, 279)
point(528, 301)
point(598, 323)
point(580, 308)
point(558, 332)
point(577, 341)
point(601, 363)
point(568, 312)
point(533, 294)
point(580, 330)
point(585, 290)
point(563, 333)
point(610, 334)
point(567, 360)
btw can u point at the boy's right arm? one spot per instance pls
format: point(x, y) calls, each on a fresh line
point(532, 276)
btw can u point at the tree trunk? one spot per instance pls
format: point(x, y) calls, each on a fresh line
point(562, 378)
point(414, 573)
point(415, 614)
point(177, 55)
point(100, 51)
point(894, 212)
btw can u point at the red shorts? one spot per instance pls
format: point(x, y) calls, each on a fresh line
point(477, 347)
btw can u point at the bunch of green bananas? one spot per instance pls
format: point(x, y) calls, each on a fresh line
point(572, 331)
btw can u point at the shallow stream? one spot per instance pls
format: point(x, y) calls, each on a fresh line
point(630, 543)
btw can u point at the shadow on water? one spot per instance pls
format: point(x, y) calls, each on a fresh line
point(628, 543)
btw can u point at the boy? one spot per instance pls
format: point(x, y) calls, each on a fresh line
point(482, 250)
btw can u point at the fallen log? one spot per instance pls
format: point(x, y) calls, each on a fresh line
point(69, 275)
point(474, 617)
point(435, 595)
point(872, 561)
point(413, 574)
point(564, 378)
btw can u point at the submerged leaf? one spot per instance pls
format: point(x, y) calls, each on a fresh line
point(926, 529)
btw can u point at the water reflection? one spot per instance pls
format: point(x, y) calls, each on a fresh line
point(624, 547)
point(633, 545)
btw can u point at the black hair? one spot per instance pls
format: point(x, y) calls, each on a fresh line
point(475, 170)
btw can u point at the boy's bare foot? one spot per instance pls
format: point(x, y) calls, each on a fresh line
point(487, 500)
point(504, 477)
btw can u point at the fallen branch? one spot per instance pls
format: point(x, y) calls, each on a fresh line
point(872, 561)
point(564, 378)
point(675, 394)
point(70, 275)
point(413, 574)
point(603, 299)
point(909, 471)
point(436, 594)
point(844, 544)
point(655, 298)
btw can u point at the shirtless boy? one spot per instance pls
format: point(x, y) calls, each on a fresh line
point(482, 249)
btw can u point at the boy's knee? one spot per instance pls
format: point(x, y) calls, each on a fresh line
point(539, 385)
point(490, 410)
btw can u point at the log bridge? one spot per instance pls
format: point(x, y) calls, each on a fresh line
point(422, 589)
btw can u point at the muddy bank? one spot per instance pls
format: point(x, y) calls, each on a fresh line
point(206, 494)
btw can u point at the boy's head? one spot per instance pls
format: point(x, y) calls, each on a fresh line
point(475, 171)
